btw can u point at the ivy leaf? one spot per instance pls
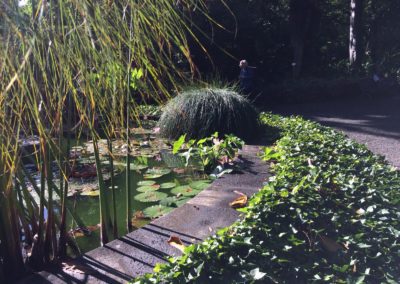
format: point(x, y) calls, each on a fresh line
point(178, 144)
point(256, 274)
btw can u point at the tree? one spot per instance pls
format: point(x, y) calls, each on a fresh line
point(302, 15)
point(356, 35)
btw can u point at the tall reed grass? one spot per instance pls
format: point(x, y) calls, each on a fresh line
point(66, 67)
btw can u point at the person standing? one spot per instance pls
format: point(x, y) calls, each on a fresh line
point(246, 77)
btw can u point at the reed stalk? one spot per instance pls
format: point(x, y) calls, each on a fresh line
point(75, 57)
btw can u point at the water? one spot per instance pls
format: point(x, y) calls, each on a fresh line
point(151, 161)
point(88, 207)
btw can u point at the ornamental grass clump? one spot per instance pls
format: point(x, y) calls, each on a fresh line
point(201, 112)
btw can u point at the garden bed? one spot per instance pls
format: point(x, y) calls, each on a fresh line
point(330, 214)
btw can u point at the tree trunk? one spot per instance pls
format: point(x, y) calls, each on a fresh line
point(300, 18)
point(356, 42)
point(374, 38)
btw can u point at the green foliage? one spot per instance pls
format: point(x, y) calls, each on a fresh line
point(330, 214)
point(210, 150)
point(201, 112)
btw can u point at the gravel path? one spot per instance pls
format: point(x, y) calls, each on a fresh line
point(374, 122)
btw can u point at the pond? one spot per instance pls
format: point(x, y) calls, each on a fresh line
point(159, 181)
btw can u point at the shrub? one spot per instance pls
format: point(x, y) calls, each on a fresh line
point(330, 214)
point(201, 112)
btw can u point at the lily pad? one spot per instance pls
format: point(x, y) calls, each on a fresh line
point(200, 184)
point(168, 185)
point(151, 176)
point(156, 211)
point(92, 193)
point(169, 201)
point(158, 171)
point(146, 182)
point(139, 219)
point(145, 188)
point(180, 201)
point(150, 196)
point(137, 167)
point(184, 190)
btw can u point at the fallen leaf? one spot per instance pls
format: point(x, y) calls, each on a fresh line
point(239, 202)
point(82, 232)
point(331, 245)
point(178, 170)
point(176, 243)
point(76, 268)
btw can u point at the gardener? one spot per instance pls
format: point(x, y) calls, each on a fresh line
point(246, 77)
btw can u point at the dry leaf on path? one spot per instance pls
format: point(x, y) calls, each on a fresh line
point(331, 245)
point(76, 268)
point(239, 202)
point(176, 243)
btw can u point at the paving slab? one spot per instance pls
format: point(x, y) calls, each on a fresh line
point(374, 122)
point(138, 252)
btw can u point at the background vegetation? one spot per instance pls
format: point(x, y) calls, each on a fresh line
point(315, 35)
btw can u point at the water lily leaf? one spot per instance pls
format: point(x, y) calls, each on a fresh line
point(145, 188)
point(158, 171)
point(137, 167)
point(239, 202)
point(176, 242)
point(199, 184)
point(184, 190)
point(92, 193)
point(156, 211)
point(139, 219)
point(150, 196)
point(169, 201)
point(151, 176)
point(168, 185)
point(146, 182)
point(179, 202)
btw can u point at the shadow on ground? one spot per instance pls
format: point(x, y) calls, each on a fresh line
point(371, 121)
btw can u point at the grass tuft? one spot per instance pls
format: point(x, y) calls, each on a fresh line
point(200, 112)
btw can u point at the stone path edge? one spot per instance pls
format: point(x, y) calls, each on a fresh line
point(138, 252)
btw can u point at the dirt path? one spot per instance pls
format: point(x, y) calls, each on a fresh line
point(374, 122)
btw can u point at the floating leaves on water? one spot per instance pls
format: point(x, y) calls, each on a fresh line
point(180, 201)
point(82, 232)
point(176, 242)
point(200, 184)
point(239, 202)
point(92, 193)
point(156, 211)
point(146, 182)
point(169, 201)
point(153, 173)
point(151, 176)
point(139, 219)
point(184, 190)
point(146, 188)
point(158, 171)
point(168, 185)
point(137, 167)
point(150, 196)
